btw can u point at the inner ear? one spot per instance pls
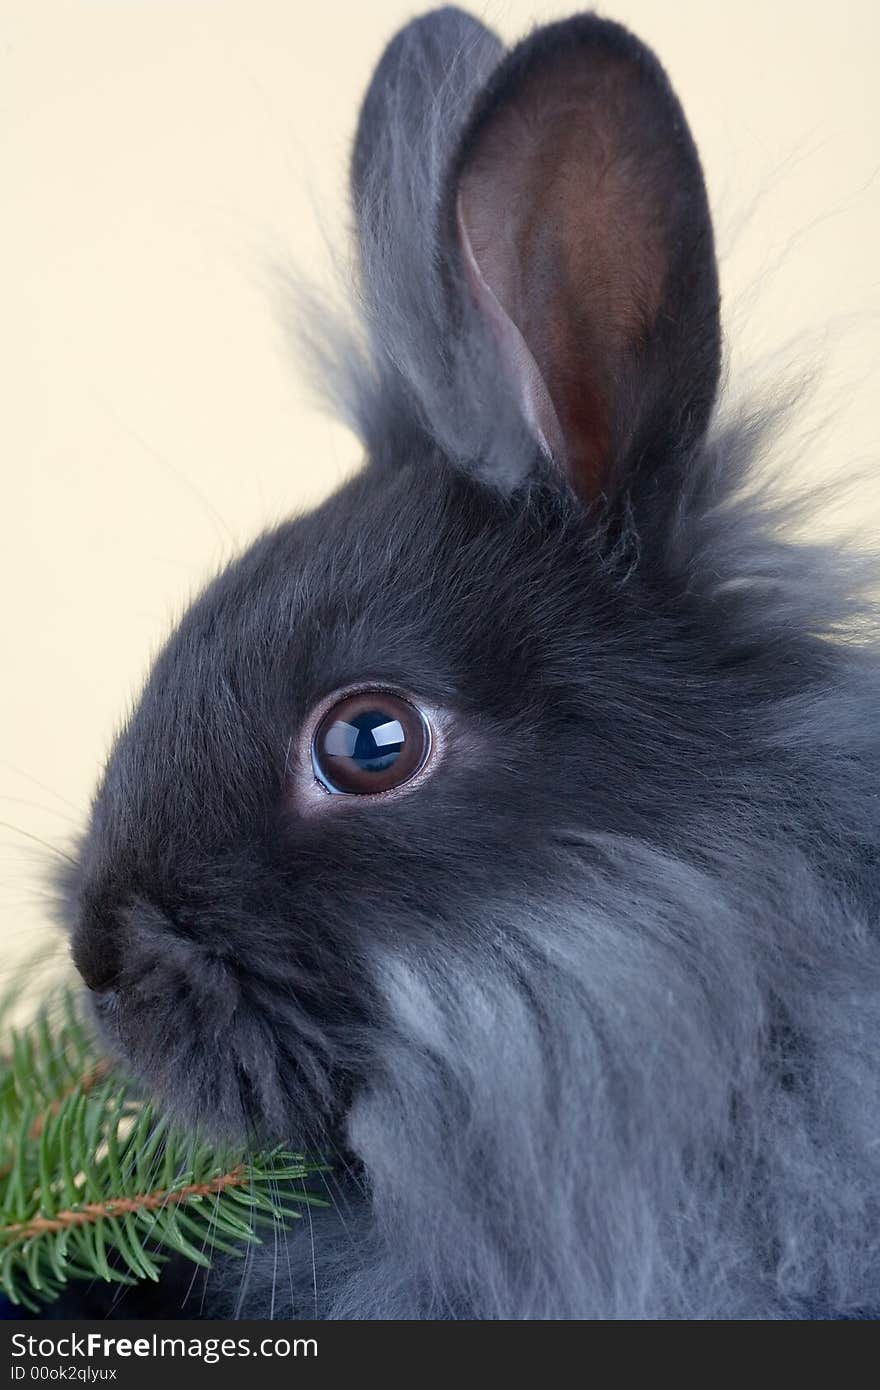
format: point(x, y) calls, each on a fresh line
point(581, 204)
point(519, 364)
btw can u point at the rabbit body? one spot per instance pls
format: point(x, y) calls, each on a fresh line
point(585, 1013)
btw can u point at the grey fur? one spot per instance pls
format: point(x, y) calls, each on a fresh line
point(590, 1017)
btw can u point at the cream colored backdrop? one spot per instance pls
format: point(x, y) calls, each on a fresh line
point(156, 156)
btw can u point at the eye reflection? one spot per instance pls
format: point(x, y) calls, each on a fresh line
point(370, 743)
point(371, 738)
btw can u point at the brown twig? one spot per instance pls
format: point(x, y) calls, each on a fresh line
point(119, 1206)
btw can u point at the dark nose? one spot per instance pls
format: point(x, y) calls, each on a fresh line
point(95, 948)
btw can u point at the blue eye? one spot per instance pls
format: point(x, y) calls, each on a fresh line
point(370, 743)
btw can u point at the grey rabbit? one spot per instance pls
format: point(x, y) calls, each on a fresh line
point(506, 829)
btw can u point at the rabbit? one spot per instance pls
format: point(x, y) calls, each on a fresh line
point(505, 830)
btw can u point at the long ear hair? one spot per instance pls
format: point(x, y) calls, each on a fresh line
point(536, 252)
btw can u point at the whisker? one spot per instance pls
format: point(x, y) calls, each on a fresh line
point(350, 1172)
point(38, 805)
point(29, 835)
point(20, 772)
point(290, 1276)
point(196, 1268)
point(247, 1271)
point(312, 1242)
point(175, 473)
point(275, 1225)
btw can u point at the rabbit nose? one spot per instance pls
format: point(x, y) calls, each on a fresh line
point(95, 950)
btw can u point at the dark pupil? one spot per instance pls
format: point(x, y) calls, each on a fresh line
point(373, 740)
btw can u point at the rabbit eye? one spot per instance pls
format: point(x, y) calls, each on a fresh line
point(370, 743)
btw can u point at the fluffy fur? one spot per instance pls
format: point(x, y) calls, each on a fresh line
point(589, 1019)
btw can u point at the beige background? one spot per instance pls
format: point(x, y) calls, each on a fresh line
point(157, 155)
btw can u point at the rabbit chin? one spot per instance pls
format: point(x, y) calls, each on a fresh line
point(222, 1054)
point(216, 1069)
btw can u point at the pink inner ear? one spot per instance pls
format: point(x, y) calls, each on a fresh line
point(567, 213)
point(522, 369)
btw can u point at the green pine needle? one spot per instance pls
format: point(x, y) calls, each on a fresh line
point(94, 1183)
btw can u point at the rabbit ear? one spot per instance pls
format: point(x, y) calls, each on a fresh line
point(578, 206)
point(410, 124)
point(420, 95)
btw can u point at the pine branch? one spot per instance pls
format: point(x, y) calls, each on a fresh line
point(94, 1183)
point(118, 1206)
